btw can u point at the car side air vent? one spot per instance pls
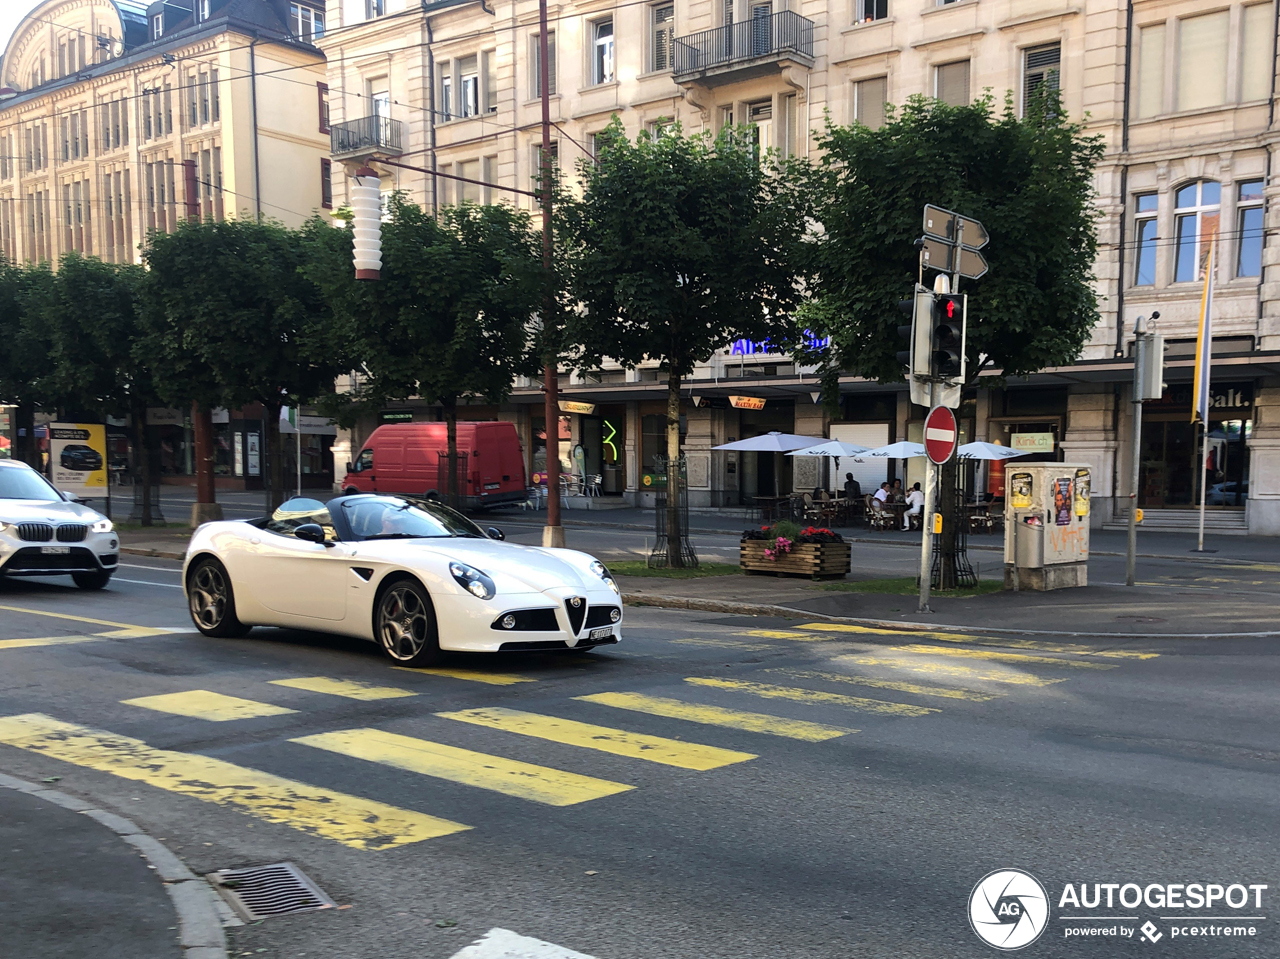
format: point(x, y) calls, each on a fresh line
point(364, 572)
point(576, 607)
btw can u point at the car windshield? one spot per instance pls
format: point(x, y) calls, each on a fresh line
point(18, 483)
point(390, 517)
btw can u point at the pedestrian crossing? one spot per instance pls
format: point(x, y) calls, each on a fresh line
point(920, 678)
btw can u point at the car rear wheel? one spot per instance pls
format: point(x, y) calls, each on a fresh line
point(211, 600)
point(93, 579)
point(405, 624)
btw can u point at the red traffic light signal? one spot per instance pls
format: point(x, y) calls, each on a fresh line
point(947, 335)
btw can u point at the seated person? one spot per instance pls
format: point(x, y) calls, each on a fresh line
point(915, 500)
point(896, 495)
point(881, 498)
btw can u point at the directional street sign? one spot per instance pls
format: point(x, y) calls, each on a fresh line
point(944, 223)
point(937, 255)
point(972, 263)
point(940, 434)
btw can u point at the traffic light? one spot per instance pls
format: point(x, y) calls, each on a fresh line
point(907, 332)
point(946, 336)
point(915, 359)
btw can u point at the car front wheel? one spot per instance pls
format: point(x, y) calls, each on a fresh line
point(405, 624)
point(94, 579)
point(211, 600)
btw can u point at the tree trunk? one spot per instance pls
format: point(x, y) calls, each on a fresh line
point(142, 460)
point(25, 447)
point(675, 548)
point(952, 511)
point(275, 457)
point(451, 458)
point(202, 429)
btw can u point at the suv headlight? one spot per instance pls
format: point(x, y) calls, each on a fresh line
point(602, 571)
point(475, 582)
point(103, 526)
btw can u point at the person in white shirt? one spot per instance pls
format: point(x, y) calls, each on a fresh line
point(881, 496)
point(915, 500)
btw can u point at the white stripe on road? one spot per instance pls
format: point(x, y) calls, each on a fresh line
point(143, 582)
point(154, 569)
point(505, 944)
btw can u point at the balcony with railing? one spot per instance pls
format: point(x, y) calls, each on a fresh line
point(739, 50)
point(367, 136)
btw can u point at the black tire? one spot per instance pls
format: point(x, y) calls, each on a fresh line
point(94, 579)
point(350, 491)
point(404, 624)
point(211, 600)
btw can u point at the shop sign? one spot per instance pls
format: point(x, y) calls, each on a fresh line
point(78, 457)
point(165, 417)
point(1224, 396)
point(253, 449)
point(746, 402)
point(574, 406)
point(395, 416)
point(1031, 442)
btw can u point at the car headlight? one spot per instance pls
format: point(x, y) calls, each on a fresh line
point(103, 526)
point(602, 571)
point(473, 580)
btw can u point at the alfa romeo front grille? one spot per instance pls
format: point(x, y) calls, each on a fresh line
point(72, 533)
point(35, 532)
point(576, 607)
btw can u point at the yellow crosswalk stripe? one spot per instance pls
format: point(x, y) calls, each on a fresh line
point(722, 644)
point(916, 689)
point(937, 667)
point(122, 629)
point(813, 697)
point(974, 640)
point(1018, 658)
point(785, 634)
point(351, 820)
point(472, 675)
point(619, 742)
point(348, 688)
point(878, 631)
point(554, 787)
point(719, 716)
point(204, 704)
point(45, 641)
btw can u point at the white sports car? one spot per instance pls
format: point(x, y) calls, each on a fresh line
point(46, 533)
point(410, 574)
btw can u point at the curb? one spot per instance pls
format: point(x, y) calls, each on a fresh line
point(770, 609)
point(200, 932)
point(155, 553)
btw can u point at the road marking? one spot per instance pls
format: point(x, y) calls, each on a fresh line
point(1017, 658)
point(916, 689)
point(120, 629)
point(143, 582)
point(203, 704)
point(719, 716)
point(554, 787)
point(878, 631)
point(814, 697)
point(669, 752)
point(505, 944)
point(472, 675)
point(785, 634)
point(722, 644)
point(348, 688)
point(351, 820)
point(46, 641)
point(1074, 649)
point(937, 668)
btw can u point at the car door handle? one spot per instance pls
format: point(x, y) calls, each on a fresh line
point(254, 540)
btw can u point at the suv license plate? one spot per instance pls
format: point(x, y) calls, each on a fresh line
point(55, 550)
point(602, 633)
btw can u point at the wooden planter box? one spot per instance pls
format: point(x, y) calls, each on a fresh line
point(816, 560)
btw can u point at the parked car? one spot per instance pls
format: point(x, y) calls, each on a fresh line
point(409, 458)
point(414, 577)
point(81, 458)
point(46, 533)
point(1227, 494)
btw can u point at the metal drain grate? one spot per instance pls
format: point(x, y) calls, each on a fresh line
point(260, 892)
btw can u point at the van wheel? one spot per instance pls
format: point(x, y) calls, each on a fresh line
point(350, 491)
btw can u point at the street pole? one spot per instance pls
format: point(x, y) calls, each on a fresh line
point(553, 532)
point(1139, 388)
point(926, 538)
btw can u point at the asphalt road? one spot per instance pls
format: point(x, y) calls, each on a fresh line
point(816, 793)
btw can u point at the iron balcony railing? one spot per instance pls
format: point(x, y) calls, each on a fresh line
point(367, 135)
point(755, 39)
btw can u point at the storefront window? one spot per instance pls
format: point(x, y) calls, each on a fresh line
point(1171, 446)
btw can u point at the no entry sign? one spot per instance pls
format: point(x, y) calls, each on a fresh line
point(940, 434)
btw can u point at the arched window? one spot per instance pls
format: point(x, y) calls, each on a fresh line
point(1197, 213)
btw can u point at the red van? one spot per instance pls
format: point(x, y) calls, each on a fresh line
point(405, 458)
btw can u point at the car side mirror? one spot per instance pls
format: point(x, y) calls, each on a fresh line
point(311, 533)
point(69, 496)
point(495, 533)
point(350, 468)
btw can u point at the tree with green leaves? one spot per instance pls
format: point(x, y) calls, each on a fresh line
point(234, 319)
point(24, 357)
point(448, 320)
point(678, 246)
point(1029, 180)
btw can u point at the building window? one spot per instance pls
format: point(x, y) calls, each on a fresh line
point(1255, 59)
point(536, 59)
point(374, 8)
point(660, 126)
point(157, 26)
point(1202, 60)
point(490, 58)
point(1196, 212)
point(322, 97)
point(602, 51)
point(469, 86)
point(1151, 70)
point(869, 98)
point(446, 92)
point(1249, 227)
point(662, 29)
point(760, 117)
point(202, 11)
point(306, 22)
point(326, 183)
point(951, 83)
point(1041, 66)
point(537, 161)
point(1144, 239)
point(872, 10)
point(380, 99)
point(469, 192)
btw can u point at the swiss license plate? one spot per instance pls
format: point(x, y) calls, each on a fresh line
point(603, 632)
point(55, 550)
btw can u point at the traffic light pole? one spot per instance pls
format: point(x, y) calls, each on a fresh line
point(926, 538)
point(1140, 346)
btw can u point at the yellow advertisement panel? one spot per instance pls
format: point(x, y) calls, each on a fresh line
point(78, 458)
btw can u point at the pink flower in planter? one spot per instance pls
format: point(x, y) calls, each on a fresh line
point(781, 547)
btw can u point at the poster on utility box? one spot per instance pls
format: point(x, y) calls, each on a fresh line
point(78, 458)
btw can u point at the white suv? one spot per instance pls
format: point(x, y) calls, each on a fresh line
point(44, 533)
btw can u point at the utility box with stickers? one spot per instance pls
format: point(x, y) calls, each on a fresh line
point(1046, 529)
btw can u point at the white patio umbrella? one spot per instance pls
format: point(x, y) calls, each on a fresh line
point(987, 451)
point(833, 448)
point(895, 451)
point(772, 443)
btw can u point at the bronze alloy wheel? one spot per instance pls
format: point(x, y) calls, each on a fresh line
point(211, 601)
point(406, 625)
